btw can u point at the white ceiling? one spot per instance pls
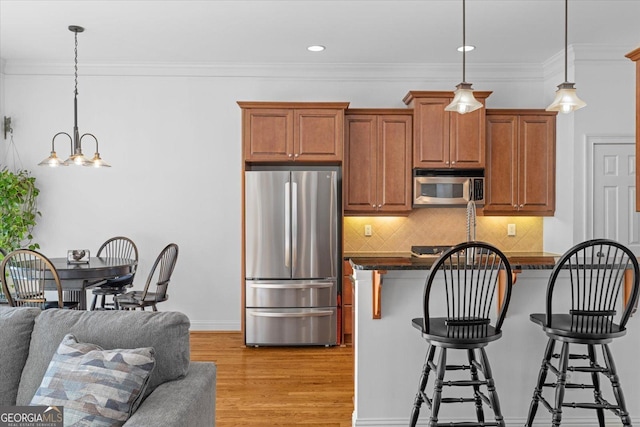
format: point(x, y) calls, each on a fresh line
point(268, 31)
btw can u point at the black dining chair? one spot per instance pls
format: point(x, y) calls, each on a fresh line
point(463, 310)
point(160, 274)
point(115, 247)
point(589, 309)
point(27, 271)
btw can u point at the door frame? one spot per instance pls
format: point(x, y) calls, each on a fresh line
point(590, 144)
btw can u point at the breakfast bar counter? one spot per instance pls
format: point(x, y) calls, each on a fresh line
point(380, 265)
point(389, 352)
point(518, 261)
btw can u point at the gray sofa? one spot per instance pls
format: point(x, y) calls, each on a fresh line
point(179, 393)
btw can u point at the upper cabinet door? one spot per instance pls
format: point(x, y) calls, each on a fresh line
point(360, 162)
point(537, 159)
point(467, 139)
point(431, 133)
point(268, 134)
point(318, 134)
point(501, 174)
point(394, 163)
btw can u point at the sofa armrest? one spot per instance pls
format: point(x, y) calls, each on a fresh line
point(190, 401)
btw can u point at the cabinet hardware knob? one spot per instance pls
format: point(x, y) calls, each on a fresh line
point(296, 155)
point(453, 163)
point(515, 206)
point(446, 163)
point(290, 155)
point(521, 206)
point(379, 206)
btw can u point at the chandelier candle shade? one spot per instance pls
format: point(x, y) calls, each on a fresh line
point(463, 99)
point(566, 99)
point(76, 158)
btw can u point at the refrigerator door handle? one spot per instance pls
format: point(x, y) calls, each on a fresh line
point(315, 313)
point(287, 225)
point(294, 225)
point(291, 286)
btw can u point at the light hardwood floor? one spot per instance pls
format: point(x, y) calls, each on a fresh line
point(275, 386)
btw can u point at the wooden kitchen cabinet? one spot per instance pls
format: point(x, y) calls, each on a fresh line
point(377, 163)
point(347, 304)
point(443, 139)
point(293, 131)
point(635, 56)
point(520, 171)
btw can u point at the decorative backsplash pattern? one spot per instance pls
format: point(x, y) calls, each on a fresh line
point(439, 226)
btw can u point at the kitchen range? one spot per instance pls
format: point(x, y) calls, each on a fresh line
point(292, 256)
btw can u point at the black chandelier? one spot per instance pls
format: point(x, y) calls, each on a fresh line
point(76, 157)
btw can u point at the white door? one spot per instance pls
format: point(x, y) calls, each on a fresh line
point(613, 192)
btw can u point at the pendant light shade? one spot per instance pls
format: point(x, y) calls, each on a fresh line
point(463, 100)
point(76, 157)
point(566, 100)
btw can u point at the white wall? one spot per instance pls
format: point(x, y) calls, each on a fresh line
point(605, 80)
point(173, 137)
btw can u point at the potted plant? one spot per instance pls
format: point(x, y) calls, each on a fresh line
point(18, 209)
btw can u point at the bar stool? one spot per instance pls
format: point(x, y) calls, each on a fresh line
point(466, 314)
point(601, 275)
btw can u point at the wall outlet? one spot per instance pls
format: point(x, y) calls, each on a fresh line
point(511, 229)
point(367, 230)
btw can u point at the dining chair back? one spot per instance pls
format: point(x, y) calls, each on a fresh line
point(27, 272)
point(115, 247)
point(160, 276)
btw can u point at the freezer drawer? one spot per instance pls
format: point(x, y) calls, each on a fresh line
point(292, 293)
point(291, 326)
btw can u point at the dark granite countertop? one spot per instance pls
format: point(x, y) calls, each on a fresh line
point(402, 261)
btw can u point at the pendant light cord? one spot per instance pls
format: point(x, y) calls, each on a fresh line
point(566, 38)
point(464, 45)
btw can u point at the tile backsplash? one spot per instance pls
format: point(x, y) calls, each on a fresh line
point(439, 226)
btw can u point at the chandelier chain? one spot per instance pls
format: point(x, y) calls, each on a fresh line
point(76, 64)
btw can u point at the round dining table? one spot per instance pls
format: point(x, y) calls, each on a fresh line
point(76, 277)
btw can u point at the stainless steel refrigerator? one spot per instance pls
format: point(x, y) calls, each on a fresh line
point(292, 262)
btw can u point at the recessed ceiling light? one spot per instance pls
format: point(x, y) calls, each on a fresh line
point(316, 48)
point(467, 48)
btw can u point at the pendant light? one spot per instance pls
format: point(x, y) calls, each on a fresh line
point(463, 99)
point(76, 157)
point(566, 99)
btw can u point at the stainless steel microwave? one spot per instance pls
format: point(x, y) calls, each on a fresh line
point(447, 187)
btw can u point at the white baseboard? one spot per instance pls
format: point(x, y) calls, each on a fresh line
point(206, 325)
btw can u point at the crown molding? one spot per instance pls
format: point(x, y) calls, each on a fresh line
point(584, 54)
point(299, 71)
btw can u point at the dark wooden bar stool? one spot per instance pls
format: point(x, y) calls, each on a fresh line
point(584, 310)
point(468, 316)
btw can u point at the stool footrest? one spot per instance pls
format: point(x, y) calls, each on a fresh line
point(469, 424)
point(464, 383)
point(457, 400)
point(588, 405)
